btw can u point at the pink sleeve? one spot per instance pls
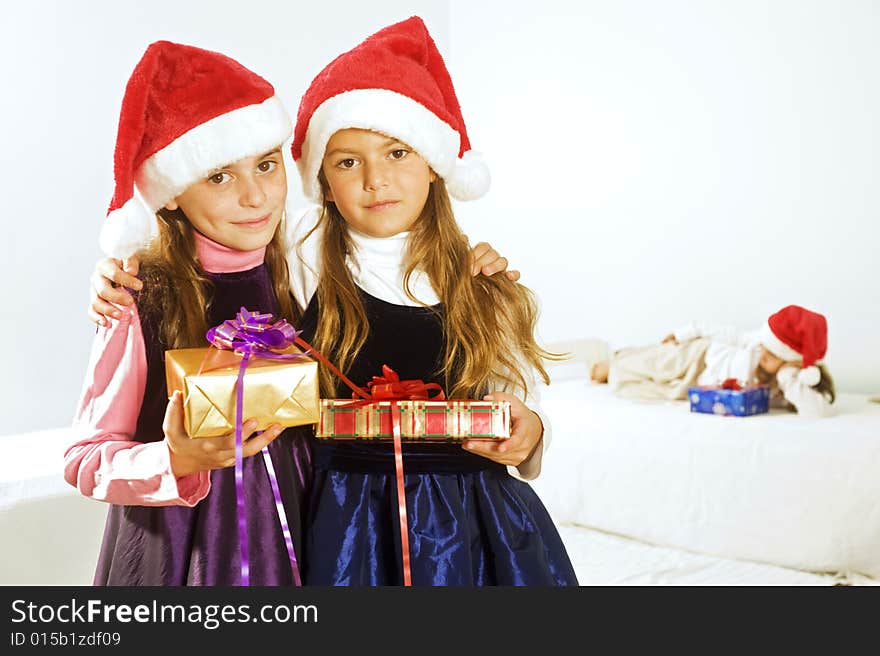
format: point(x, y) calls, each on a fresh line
point(105, 463)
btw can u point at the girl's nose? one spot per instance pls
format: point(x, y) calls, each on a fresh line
point(252, 194)
point(375, 177)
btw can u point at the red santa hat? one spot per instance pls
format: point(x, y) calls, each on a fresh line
point(186, 112)
point(795, 333)
point(396, 83)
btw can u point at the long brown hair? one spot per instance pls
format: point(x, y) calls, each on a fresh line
point(176, 290)
point(488, 322)
point(825, 386)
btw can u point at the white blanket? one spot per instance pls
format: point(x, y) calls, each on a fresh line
point(776, 488)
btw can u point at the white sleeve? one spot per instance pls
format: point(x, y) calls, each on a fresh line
point(302, 256)
point(530, 468)
point(718, 333)
point(808, 401)
point(725, 361)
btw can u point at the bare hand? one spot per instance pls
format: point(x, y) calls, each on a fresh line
point(669, 338)
point(486, 259)
point(189, 455)
point(109, 281)
point(526, 431)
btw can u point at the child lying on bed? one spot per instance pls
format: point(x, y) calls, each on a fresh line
point(785, 353)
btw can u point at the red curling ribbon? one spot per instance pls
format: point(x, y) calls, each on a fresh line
point(401, 494)
point(389, 387)
point(731, 384)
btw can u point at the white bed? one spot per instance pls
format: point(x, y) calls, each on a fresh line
point(777, 489)
point(613, 469)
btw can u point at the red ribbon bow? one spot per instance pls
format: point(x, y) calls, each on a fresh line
point(731, 384)
point(389, 387)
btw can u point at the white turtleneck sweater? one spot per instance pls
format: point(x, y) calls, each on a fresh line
point(377, 268)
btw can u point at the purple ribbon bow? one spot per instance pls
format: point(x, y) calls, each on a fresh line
point(252, 333)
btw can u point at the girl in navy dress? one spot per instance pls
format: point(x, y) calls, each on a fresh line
point(380, 143)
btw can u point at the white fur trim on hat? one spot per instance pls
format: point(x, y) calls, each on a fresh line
point(390, 113)
point(776, 346)
point(243, 132)
point(128, 229)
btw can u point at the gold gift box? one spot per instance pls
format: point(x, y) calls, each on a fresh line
point(281, 392)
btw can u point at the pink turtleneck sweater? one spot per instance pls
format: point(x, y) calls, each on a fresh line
point(104, 462)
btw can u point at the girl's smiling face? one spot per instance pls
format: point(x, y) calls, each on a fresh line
point(379, 184)
point(239, 205)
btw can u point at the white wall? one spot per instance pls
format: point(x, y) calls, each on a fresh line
point(661, 161)
point(653, 162)
point(64, 69)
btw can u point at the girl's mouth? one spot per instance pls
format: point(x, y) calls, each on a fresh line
point(255, 223)
point(381, 205)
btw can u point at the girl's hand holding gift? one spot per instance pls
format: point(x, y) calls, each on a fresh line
point(526, 431)
point(189, 455)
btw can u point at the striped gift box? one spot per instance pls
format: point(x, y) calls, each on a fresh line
point(426, 421)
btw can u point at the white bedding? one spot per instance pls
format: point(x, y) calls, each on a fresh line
point(775, 488)
point(604, 559)
point(618, 469)
point(51, 534)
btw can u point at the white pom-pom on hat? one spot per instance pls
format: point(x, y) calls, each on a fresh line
point(128, 229)
point(809, 376)
point(470, 178)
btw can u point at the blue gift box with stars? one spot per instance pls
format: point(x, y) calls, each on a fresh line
point(730, 399)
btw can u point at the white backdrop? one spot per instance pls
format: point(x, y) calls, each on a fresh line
point(660, 161)
point(653, 162)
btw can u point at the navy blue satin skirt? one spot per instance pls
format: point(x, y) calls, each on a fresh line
point(470, 522)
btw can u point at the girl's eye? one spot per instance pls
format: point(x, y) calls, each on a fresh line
point(267, 166)
point(399, 153)
point(347, 163)
point(220, 178)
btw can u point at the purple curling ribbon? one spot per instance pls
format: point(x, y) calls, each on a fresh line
point(252, 333)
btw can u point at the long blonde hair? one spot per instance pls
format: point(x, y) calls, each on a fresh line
point(488, 322)
point(177, 292)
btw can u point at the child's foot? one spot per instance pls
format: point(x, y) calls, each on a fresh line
point(599, 371)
